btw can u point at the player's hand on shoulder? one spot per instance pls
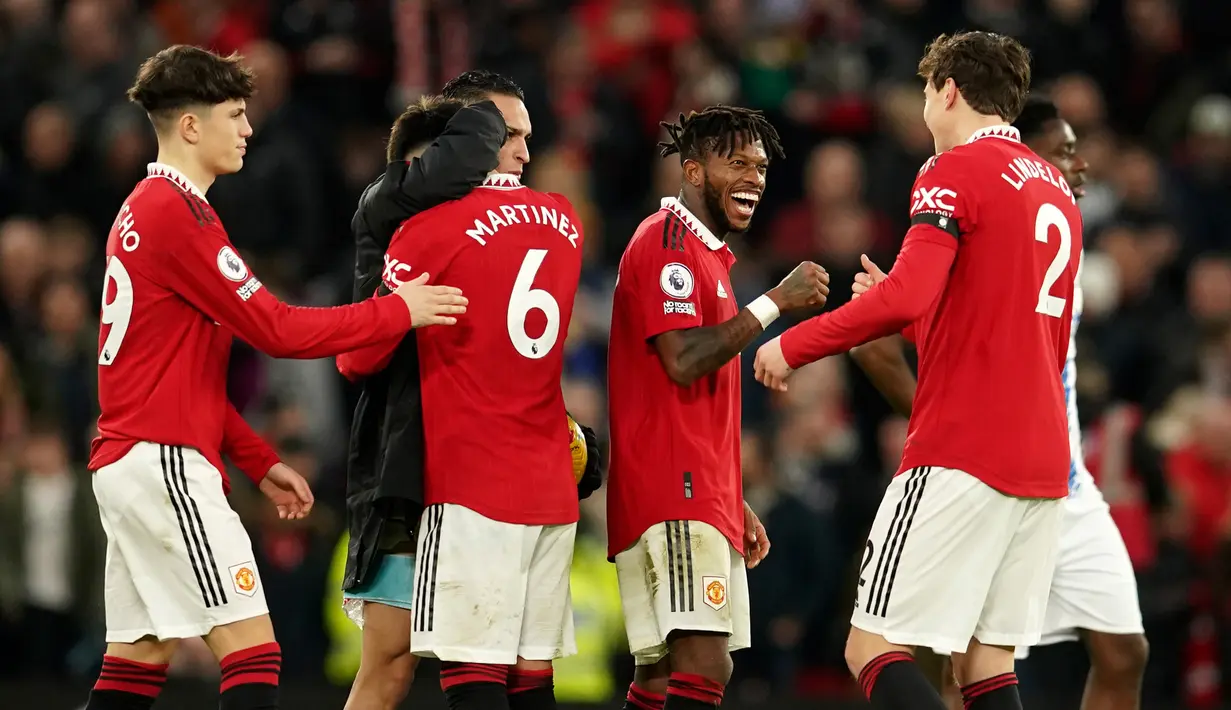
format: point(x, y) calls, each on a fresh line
point(431, 305)
point(807, 286)
point(288, 491)
point(770, 365)
point(866, 279)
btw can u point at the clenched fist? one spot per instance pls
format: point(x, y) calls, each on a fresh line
point(807, 286)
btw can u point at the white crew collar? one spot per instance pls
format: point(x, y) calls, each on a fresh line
point(1004, 131)
point(502, 181)
point(703, 233)
point(163, 170)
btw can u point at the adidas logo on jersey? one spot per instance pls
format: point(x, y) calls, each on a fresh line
point(722, 292)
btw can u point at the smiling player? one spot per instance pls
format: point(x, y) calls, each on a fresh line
point(677, 522)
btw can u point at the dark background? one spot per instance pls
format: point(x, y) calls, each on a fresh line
point(1144, 82)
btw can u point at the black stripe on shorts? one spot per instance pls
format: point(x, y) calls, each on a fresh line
point(679, 565)
point(895, 541)
point(195, 557)
point(426, 565)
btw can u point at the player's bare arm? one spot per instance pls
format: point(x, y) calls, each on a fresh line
point(883, 360)
point(693, 353)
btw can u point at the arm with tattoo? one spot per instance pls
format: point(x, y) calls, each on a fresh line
point(692, 353)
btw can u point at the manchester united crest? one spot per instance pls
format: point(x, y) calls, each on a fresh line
point(715, 592)
point(243, 577)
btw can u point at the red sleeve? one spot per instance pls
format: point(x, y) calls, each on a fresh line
point(413, 250)
point(205, 270)
point(246, 449)
point(909, 333)
point(917, 278)
point(664, 281)
point(368, 361)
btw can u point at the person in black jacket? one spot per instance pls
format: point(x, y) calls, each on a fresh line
point(438, 150)
point(385, 476)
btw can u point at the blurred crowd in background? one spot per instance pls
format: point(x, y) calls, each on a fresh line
point(1145, 83)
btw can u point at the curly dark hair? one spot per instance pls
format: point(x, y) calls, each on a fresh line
point(715, 129)
point(182, 76)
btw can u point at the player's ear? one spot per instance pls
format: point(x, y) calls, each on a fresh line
point(189, 126)
point(694, 172)
point(951, 93)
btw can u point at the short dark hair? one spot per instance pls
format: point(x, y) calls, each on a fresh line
point(420, 123)
point(181, 76)
point(1036, 114)
point(714, 130)
point(991, 70)
point(477, 84)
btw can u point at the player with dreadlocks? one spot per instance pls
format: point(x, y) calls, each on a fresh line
point(679, 530)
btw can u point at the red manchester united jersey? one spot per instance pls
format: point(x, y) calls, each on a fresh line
point(493, 408)
point(997, 235)
point(990, 400)
point(675, 451)
point(175, 291)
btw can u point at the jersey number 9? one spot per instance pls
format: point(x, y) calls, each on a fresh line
point(119, 312)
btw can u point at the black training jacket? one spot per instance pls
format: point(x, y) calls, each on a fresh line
point(385, 462)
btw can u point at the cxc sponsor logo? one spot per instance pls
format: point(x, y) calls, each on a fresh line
point(395, 272)
point(932, 199)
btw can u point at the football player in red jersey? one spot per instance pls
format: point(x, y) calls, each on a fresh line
point(495, 542)
point(679, 530)
point(179, 563)
point(1093, 594)
point(961, 553)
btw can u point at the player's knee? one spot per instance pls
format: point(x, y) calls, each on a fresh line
point(1119, 658)
point(980, 662)
point(525, 665)
point(862, 647)
point(701, 653)
point(146, 650)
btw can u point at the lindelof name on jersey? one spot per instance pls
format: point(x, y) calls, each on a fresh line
point(486, 227)
point(1025, 170)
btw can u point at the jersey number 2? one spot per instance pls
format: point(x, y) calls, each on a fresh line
point(117, 313)
point(526, 298)
point(1050, 216)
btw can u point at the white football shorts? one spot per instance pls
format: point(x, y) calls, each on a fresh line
point(950, 559)
point(1093, 587)
point(179, 561)
point(682, 575)
point(489, 592)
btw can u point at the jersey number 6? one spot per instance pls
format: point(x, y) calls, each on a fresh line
point(119, 312)
point(1051, 216)
point(524, 299)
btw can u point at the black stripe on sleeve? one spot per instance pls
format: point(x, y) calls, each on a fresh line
point(942, 222)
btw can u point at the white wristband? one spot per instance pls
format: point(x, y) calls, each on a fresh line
point(765, 310)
